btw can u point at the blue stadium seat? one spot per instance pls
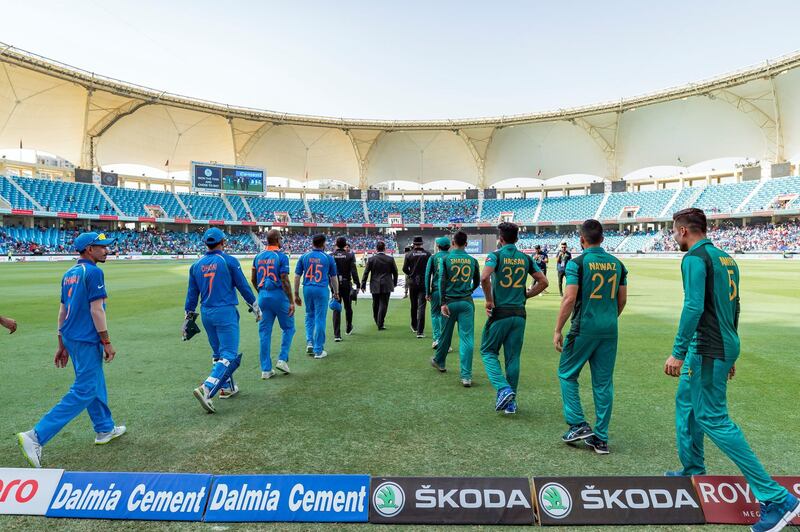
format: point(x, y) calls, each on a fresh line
point(380, 209)
point(66, 196)
point(650, 203)
point(569, 208)
point(337, 211)
point(523, 209)
point(764, 198)
point(264, 209)
point(132, 201)
point(14, 196)
point(205, 207)
point(723, 198)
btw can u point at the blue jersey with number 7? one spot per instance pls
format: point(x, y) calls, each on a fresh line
point(316, 267)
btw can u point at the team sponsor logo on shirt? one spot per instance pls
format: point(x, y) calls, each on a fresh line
point(27, 491)
point(616, 500)
point(453, 500)
point(729, 499)
point(146, 496)
point(304, 498)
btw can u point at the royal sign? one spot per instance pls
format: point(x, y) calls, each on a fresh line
point(451, 501)
point(145, 496)
point(303, 498)
point(729, 500)
point(27, 491)
point(616, 501)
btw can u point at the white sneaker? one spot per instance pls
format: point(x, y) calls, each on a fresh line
point(201, 394)
point(337, 339)
point(310, 349)
point(267, 374)
point(434, 345)
point(466, 383)
point(321, 355)
point(30, 447)
point(227, 393)
point(283, 366)
point(102, 438)
point(420, 335)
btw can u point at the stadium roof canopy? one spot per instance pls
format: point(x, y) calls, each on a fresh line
point(96, 121)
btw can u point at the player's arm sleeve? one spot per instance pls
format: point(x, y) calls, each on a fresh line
point(354, 270)
point(427, 288)
point(694, 289)
point(442, 279)
point(192, 293)
point(283, 267)
point(571, 273)
point(298, 268)
point(239, 279)
point(623, 279)
point(476, 275)
point(95, 285)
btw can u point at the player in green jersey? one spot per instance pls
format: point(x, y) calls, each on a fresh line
point(704, 357)
point(432, 287)
point(460, 276)
point(595, 296)
point(503, 281)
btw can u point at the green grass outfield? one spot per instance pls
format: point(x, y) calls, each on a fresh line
point(375, 405)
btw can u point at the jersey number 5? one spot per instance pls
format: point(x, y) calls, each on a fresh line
point(732, 284)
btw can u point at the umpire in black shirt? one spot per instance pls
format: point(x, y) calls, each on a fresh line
point(381, 284)
point(414, 267)
point(347, 270)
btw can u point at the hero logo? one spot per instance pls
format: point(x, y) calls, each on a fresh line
point(555, 500)
point(19, 490)
point(208, 172)
point(428, 497)
point(634, 498)
point(389, 499)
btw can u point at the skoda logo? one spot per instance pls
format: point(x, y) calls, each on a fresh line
point(388, 499)
point(555, 500)
point(208, 172)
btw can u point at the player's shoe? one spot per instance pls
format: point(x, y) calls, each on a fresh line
point(435, 344)
point(267, 374)
point(337, 338)
point(201, 394)
point(504, 396)
point(599, 446)
point(413, 330)
point(441, 369)
point(29, 445)
point(577, 432)
point(102, 438)
point(776, 516)
point(283, 367)
point(466, 383)
point(420, 335)
point(227, 393)
point(323, 354)
point(511, 408)
point(310, 349)
point(349, 330)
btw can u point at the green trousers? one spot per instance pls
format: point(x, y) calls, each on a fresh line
point(601, 354)
point(508, 334)
point(436, 316)
point(461, 313)
point(701, 408)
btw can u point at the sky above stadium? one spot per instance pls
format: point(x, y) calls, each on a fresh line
point(404, 60)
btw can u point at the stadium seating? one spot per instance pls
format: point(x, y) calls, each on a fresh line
point(19, 239)
point(206, 207)
point(523, 209)
point(453, 211)
point(569, 208)
point(264, 209)
point(681, 202)
point(14, 196)
point(723, 198)
point(238, 206)
point(380, 209)
point(764, 198)
point(337, 211)
point(66, 196)
point(132, 201)
point(650, 203)
point(637, 242)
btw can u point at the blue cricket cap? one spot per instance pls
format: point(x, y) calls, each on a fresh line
point(335, 305)
point(84, 240)
point(213, 236)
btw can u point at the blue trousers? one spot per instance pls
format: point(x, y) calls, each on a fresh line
point(88, 392)
point(222, 327)
point(274, 304)
point(316, 313)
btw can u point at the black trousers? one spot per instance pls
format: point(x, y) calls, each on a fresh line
point(345, 293)
point(380, 304)
point(416, 295)
point(561, 276)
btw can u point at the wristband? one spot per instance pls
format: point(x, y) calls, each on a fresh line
point(105, 342)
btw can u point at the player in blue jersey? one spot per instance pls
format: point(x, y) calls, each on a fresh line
point(270, 277)
point(82, 337)
point(318, 271)
point(214, 279)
